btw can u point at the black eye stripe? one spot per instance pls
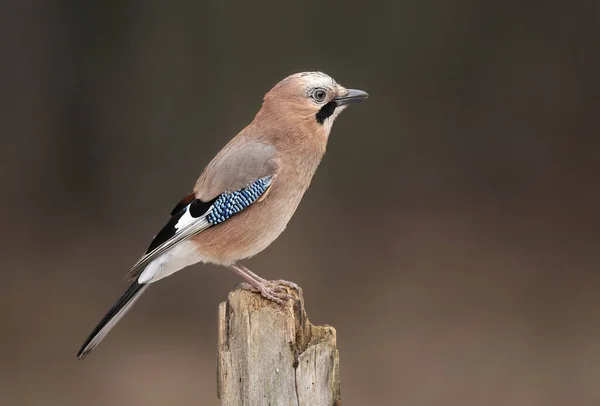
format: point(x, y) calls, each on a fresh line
point(325, 111)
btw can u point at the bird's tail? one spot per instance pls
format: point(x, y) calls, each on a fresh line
point(112, 318)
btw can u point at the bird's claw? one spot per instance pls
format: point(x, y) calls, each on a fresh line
point(272, 290)
point(289, 284)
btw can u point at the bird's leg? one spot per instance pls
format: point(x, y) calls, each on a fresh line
point(289, 284)
point(252, 279)
point(268, 289)
point(276, 282)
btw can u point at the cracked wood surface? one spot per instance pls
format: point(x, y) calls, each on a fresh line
point(272, 355)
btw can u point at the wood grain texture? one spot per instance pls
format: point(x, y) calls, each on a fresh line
point(272, 355)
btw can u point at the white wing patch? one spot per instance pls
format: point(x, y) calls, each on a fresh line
point(185, 220)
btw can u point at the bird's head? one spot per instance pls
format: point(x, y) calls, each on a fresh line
point(310, 98)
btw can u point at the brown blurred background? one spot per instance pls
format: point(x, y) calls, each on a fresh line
point(451, 234)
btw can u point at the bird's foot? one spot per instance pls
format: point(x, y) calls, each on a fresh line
point(269, 290)
point(276, 293)
point(272, 290)
point(289, 284)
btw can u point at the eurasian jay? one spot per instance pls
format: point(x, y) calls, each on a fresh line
point(246, 195)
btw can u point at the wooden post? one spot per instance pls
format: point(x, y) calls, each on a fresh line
point(271, 355)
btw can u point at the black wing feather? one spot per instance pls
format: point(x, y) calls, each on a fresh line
point(197, 209)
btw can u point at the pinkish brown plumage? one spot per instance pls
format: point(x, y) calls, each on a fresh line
point(247, 194)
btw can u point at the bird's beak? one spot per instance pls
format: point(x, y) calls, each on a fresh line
point(353, 96)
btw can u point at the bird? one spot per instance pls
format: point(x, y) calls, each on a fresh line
point(246, 195)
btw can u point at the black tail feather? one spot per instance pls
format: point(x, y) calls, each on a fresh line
point(111, 318)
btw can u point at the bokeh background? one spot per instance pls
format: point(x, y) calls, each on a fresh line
point(451, 234)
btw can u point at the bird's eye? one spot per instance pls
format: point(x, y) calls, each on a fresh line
point(319, 95)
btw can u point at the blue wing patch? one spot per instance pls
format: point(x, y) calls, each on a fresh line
point(230, 203)
point(216, 211)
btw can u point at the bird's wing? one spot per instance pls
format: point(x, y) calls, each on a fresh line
point(238, 164)
point(236, 178)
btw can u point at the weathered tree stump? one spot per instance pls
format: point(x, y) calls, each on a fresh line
point(272, 355)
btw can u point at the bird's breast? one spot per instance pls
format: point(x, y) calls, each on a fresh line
point(252, 230)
